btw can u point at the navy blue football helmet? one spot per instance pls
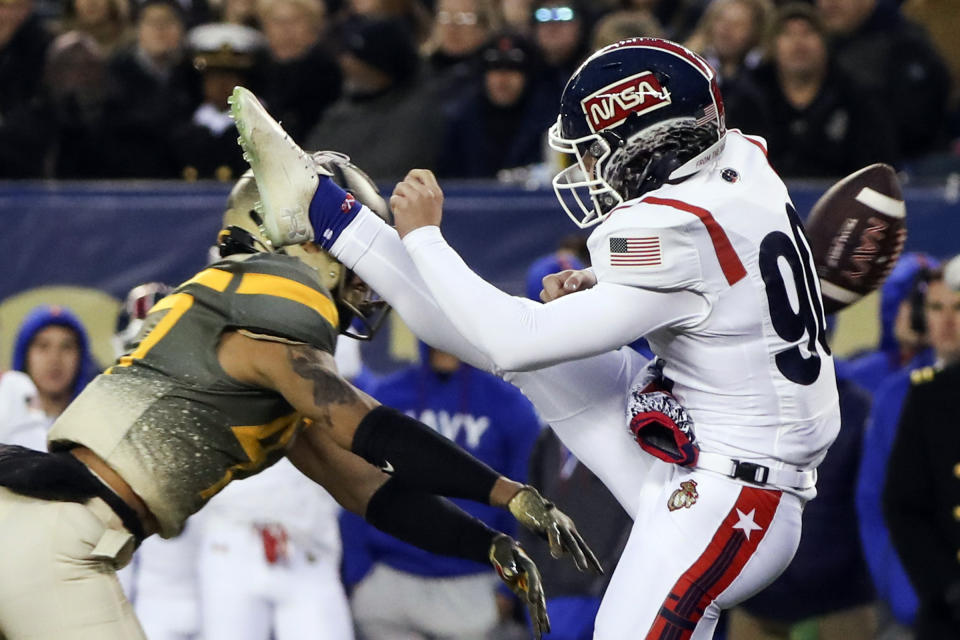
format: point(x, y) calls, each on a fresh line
point(635, 115)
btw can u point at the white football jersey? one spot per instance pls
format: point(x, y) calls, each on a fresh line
point(17, 397)
point(755, 373)
point(21, 421)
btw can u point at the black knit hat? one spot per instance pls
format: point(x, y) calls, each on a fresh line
point(507, 50)
point(386, 45)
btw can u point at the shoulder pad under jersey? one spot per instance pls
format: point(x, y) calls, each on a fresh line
point(647, 246)
point(274, 295)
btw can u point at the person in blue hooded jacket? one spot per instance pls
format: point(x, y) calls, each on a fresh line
point(399, 590)
point(53, 349)
point(903, 345)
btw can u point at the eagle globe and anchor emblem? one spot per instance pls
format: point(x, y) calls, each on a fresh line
point(684, 497)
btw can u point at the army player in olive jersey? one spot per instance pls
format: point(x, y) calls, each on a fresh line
point(229, 369)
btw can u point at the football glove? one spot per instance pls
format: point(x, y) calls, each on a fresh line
point(518, 572)
point(542, 517)
point(661, 426)
point(659, 423)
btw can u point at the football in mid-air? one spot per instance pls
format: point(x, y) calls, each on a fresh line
point(856, 231)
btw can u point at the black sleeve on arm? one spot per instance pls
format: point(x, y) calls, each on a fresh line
point(420, 458)
point(429, 522)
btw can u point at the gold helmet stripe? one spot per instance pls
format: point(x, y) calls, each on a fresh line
point(270, 285)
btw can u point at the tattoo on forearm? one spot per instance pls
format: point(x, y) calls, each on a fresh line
point(328, 387)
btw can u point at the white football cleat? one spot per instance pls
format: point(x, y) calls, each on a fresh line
point(286, 175)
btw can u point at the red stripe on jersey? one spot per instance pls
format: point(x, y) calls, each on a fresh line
point(734, 542)
point(760, 145)
point(756, 142)
point(730, 263)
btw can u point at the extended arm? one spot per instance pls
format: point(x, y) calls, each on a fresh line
point(424, 520)
point(374, 251)
point(416, 456)
point(367, 491)
point(517, 334)
point(513, 333)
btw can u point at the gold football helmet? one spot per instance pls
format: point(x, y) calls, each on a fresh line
point(361, 310)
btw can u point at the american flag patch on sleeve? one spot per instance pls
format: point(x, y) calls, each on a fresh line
point(635, 252)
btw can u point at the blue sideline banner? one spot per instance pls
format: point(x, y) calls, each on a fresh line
point(112, 236)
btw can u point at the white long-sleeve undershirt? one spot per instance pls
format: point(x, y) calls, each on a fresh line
point(373, 250)
point(442, 300)
point(584, 400)
point(517, 334)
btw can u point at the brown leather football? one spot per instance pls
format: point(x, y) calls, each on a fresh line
point(856, 231)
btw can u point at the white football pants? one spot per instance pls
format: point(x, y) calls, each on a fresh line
point(164, 586)
point(245, 598)
point(700, 542)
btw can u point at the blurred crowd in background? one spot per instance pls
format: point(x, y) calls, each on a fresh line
point(138, 88)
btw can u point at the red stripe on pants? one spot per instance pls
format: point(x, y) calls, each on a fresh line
point(725, 556)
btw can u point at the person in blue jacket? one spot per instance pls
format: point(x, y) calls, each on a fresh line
point(902, 345)
point(53, 349)
point(892, 584)
point(399, 590)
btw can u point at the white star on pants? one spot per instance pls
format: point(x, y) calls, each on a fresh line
point(746, 523)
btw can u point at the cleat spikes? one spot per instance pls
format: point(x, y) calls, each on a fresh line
point(286, 176)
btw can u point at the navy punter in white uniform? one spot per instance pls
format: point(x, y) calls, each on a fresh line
point(698, 248)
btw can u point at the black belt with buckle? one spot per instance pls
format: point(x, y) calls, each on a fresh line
point(750, 472)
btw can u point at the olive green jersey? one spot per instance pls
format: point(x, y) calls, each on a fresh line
point(167, 418)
